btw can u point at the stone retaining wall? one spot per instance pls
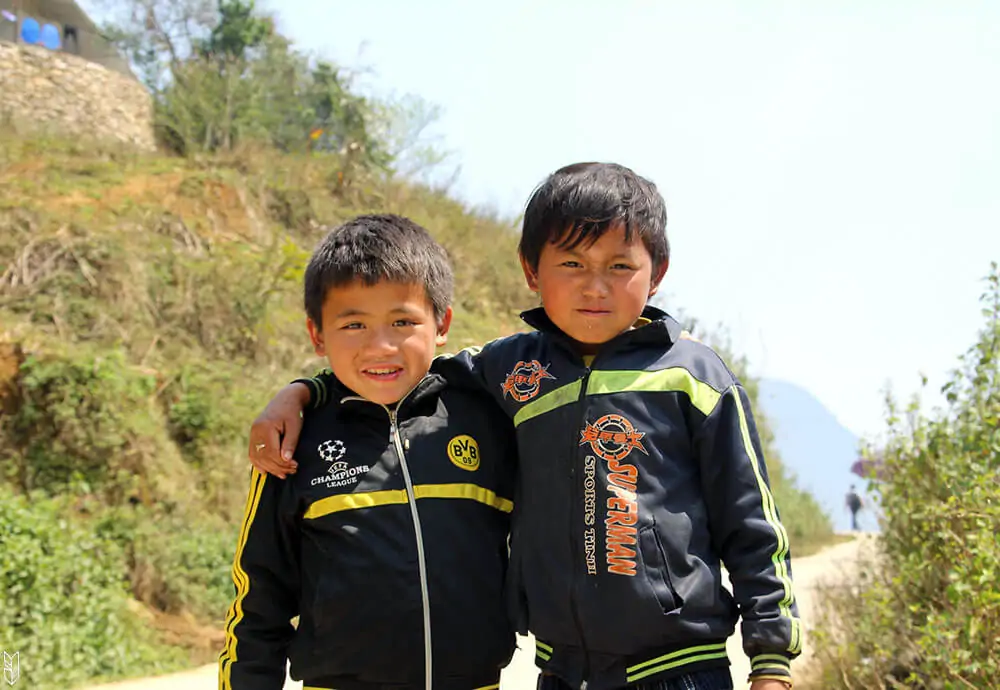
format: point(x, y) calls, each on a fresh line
point(65, 93)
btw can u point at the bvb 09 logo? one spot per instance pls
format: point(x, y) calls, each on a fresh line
point(463, 451)
point(612, 437)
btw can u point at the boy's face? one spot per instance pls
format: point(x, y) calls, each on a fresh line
point(593, 293)
point(379, 339)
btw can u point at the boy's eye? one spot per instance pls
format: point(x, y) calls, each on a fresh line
point(570, 264)
point(352, 326)
point(626, 267)
point(404, 322)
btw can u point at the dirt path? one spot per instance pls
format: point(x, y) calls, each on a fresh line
point(829, 566)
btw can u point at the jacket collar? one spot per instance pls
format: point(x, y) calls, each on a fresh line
point(428, 388)
point(662, 330)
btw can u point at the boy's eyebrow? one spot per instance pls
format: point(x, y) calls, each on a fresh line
point(354, 311)
point(405, 309)
point(351, 312)
point(573, 252)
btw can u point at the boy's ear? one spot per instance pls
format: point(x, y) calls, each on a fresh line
point(658, 273)
point(442, 328)
point(316, 336)
point(530, 274)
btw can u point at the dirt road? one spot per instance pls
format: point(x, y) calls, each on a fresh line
point(829, 566)
point(811, 574)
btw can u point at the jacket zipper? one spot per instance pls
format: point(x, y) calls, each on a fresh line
point(573, 541)
point(418, 532)
point(421, 559)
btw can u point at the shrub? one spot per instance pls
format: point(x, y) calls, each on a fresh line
point(63, 600)
point(929, 616)
point(176, 563)
point(85, 424)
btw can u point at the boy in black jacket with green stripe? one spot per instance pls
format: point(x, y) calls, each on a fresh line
point(640, 467)
point(390, 543)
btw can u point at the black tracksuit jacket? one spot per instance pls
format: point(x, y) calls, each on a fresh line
point(390, 543)
point(640, 474)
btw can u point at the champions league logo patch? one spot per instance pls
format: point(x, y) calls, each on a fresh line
point(331, 451)
point(340, 472)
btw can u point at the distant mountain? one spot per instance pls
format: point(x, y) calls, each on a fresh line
point(817, 448)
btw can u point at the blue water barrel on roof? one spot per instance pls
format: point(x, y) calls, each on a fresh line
point(30, 30)
point(50, 37)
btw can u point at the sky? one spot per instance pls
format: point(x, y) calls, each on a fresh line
point(831, 168)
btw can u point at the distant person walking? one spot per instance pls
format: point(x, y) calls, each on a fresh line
point(854, 504)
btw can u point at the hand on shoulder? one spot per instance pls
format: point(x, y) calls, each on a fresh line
point(276, 430)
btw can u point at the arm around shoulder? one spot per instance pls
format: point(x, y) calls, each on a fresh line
point(474, 368)
point(275, 432)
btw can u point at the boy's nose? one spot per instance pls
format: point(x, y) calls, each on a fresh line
point(595, 286)
point(380, 341)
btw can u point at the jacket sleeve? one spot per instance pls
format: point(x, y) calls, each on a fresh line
point(468, 368)
point(747, 532)
point(266, 574)
point(319, 386)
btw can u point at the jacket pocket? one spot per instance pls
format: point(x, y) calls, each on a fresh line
point(654, 565)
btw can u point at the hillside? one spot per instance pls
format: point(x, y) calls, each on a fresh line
point(149, 307)
point(814, 446)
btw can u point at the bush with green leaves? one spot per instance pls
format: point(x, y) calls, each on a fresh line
point(86, 424)
point(63, 598)
point(75, 412)
point(189, 565)
point(928, 613)
point(176, 563)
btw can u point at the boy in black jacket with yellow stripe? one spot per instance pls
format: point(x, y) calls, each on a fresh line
point(640, 467)
point(390, 543)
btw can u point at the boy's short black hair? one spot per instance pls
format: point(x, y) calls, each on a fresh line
point(577, 204)
point(373, 248)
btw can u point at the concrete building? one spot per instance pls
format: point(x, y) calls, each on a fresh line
point(59, 75)
point(59, 25)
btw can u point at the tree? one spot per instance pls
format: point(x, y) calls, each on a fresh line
point(221, 75)
point(403, 125)
point(157, 36)
point(342, 119)
point(238, 30)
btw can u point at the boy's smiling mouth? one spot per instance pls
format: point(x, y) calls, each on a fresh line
point(383, 373)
